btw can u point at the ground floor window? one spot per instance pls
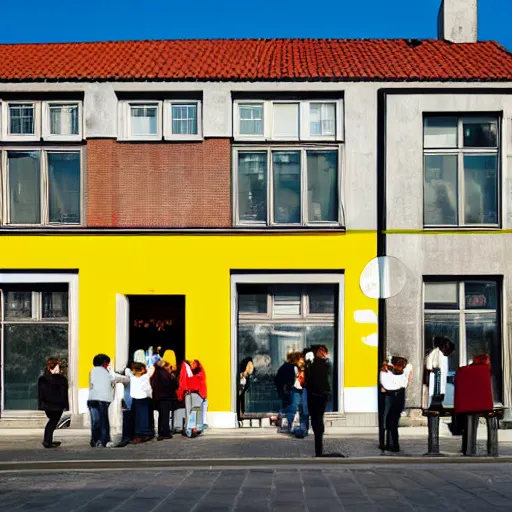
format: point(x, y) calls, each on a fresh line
point(468, 312)
point(34, 322)
point(274, 320)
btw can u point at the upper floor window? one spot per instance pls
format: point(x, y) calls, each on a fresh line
point(154, 120)
point(461, 177)
point(33, 120)
point(288, 186)
point(184, 119)
point(288, 120)
point(63, 120)
point(41, 186)
point(21, 119)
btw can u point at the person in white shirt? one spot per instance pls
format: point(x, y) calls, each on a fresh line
point(142, 406)
point(394, 379)
point(101, 393)
point(437, 368)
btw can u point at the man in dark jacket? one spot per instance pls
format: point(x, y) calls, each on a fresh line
point(284, 381)
point(165, 385)
point(52, 399)
point(319, 392)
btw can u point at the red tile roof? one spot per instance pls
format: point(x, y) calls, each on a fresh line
point(257, 60)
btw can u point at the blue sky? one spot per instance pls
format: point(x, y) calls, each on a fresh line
point(94, 20)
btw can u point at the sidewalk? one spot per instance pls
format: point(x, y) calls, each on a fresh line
point(419, 433)
point(248, 444)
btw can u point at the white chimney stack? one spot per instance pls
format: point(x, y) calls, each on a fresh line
point(458, 21)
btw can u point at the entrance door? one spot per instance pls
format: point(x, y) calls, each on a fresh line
point(156, 321)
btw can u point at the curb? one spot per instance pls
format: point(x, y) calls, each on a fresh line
point(180, 464)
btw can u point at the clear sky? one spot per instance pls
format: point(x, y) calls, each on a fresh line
point(95, 20)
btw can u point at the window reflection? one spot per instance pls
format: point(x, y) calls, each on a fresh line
point(440, 194)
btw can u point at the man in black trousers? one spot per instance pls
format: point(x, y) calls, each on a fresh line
point(319, 392)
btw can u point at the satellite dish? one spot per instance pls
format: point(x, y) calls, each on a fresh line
point(383, 277)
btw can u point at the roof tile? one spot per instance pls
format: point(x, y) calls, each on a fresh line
point(256, 60)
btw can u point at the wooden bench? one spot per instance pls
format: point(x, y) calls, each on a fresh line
point(470, 432)
point(259, 417)
point(492, 419)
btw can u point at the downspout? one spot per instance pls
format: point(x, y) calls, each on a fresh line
point(381, 216)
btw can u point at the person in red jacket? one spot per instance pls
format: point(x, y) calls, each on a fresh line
point(192, 380)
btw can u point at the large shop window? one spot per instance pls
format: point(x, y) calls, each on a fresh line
point(468, 312)
point(35, 326)
point(462, 179)
point(293, 186)
point(42, 187)
point(274, 320)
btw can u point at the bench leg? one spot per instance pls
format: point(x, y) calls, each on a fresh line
point(472, 429)
point(492, 436)
point(433, 435)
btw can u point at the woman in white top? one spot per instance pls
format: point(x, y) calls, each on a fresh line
point(394, 379)
point(142, 406)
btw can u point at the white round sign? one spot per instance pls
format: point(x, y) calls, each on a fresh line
point(383, 277)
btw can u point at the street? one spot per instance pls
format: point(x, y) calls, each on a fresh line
point(360, 487)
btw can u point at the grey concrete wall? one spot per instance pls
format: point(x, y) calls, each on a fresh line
point(404, 151)
point(424, 254)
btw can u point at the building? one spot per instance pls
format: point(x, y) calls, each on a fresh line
point(223, 197)
point(446, 211)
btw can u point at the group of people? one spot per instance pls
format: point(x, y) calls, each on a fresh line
point(159, 387)
point(303, 384)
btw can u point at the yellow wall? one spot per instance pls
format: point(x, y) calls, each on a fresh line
point(198, 267)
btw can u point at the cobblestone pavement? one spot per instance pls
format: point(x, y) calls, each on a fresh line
point(30, 449)
point(360, 488)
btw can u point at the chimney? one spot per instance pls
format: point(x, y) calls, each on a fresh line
point(458, 21)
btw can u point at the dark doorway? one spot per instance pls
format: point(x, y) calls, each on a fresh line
point(157, 321)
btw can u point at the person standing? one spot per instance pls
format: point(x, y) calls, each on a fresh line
point(53, 399)
point(101, 394)
point(164, 385)
point(142, 405)
point(284, 382)
point(394, 379)
point(318, 387)
point(246, 370)
point(299, 397)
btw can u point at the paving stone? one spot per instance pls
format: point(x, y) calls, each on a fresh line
point(433, 487)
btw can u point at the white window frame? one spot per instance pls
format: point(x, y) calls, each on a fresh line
point(460, 152)
point(47, 135)
point(236, 114)
point(6, 122)
point(280, 279)
point(304, 317)
point(33, 278)
point(45, 184)
point(462, 312)
point(168, 135)
point(270, 185)
point(338, 120)
point(303, 132)
point(124, 120)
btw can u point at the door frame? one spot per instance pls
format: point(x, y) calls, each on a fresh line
point(282, 277)
point(71, 279)
point(122, 331)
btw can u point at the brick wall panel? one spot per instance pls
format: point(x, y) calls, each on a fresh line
point(159, 184)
